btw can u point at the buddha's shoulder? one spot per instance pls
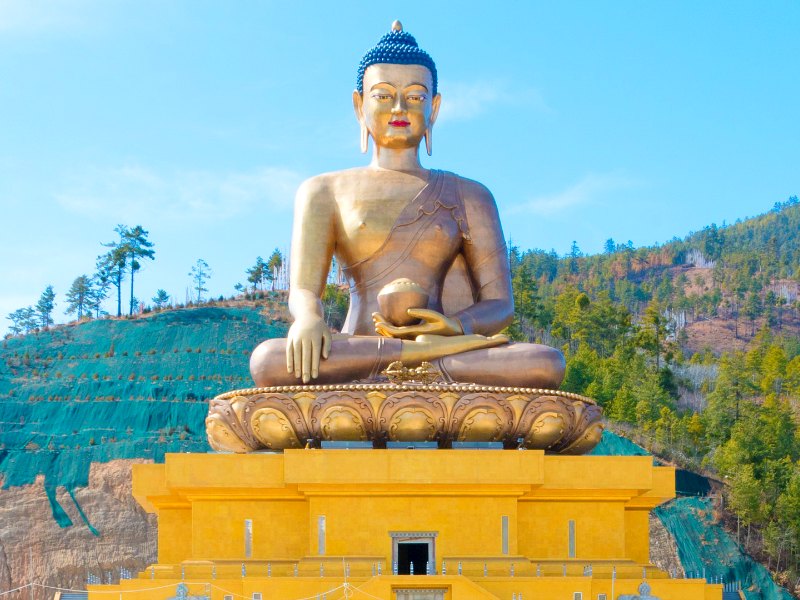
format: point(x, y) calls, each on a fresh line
point(473, 192)
point(326, 185)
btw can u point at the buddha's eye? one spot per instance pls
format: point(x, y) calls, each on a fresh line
point(381, 97)
point(416, 97)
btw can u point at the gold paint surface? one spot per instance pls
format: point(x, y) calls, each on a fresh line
point(285, 417)
point(423, 251)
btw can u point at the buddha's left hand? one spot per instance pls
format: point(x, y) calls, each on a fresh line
point(433, 323)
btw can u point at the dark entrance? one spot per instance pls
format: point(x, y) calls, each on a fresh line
point(412, 552)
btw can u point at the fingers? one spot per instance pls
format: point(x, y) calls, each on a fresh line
point(289, 356)
point(297, 354)
point(425, 314)
point(315, 352)
point(381, 324)
point(427, 338)
point(387, 330)
point(327, 340)
point(307, 348)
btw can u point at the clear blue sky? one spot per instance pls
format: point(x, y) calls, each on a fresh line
point(628, 120)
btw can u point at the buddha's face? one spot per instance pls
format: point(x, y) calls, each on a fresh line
point(397, 105)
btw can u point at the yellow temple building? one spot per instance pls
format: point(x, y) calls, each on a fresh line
point(404, 524)
point(432, 481)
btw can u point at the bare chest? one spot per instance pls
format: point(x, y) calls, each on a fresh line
point(367, 214)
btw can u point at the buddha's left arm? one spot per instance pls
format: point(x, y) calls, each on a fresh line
point(487, 262)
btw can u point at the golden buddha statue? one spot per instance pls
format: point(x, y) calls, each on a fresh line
point(430, 293)
point(396, 220)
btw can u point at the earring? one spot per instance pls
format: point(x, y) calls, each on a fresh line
point(364, 139)
point(429, 141)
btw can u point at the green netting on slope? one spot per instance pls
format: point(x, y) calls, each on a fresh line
point(612, 444)
point(705, 547)
point(118, 389)
point(181, 353)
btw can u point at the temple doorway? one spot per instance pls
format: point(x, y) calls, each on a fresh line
point(414, 552)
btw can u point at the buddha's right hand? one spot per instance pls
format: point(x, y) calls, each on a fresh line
point(308, 339)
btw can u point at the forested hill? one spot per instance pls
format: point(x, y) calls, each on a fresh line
point(693, 349)
point(741, 276)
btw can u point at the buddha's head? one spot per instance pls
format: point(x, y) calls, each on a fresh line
point(396, 97)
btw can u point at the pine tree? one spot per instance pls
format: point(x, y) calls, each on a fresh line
point(256, 274)
point(45, 306)
point(161, 299)
point(135, 243)
point(23, 320)
point(112, 265)
point(274, 264)
point(16, 321)
point(79, 296)
point(200, 274)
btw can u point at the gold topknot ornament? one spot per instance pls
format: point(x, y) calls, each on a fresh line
point(397, 26)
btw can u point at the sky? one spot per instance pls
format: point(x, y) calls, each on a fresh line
point(632, 120)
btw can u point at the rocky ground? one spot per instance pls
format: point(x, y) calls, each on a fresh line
point(663, 549)
point(34, 548)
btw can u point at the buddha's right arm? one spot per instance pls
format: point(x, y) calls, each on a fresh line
point(309, 338)
point(487, 261)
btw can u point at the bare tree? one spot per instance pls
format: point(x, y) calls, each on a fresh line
point(200, 274)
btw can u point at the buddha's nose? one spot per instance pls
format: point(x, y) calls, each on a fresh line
point(399, 104)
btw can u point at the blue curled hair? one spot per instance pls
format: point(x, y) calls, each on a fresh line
point(397, 48)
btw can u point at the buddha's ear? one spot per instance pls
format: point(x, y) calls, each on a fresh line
point(358, 105)
point(435, 104)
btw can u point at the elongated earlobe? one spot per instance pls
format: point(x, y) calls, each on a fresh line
point(364, 139)
point(429, 141)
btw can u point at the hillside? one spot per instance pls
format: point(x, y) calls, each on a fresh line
point(741, 277)
point(692, 348)
point(77, 399)
point(130, 388)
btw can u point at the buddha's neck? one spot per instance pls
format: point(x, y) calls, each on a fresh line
point(402, 159)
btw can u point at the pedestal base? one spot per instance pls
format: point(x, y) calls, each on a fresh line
point(286, 417)
point(471, 524)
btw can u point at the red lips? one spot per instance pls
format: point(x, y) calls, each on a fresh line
point(399, 123)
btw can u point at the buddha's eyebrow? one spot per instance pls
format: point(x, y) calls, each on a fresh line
point(413, 83)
